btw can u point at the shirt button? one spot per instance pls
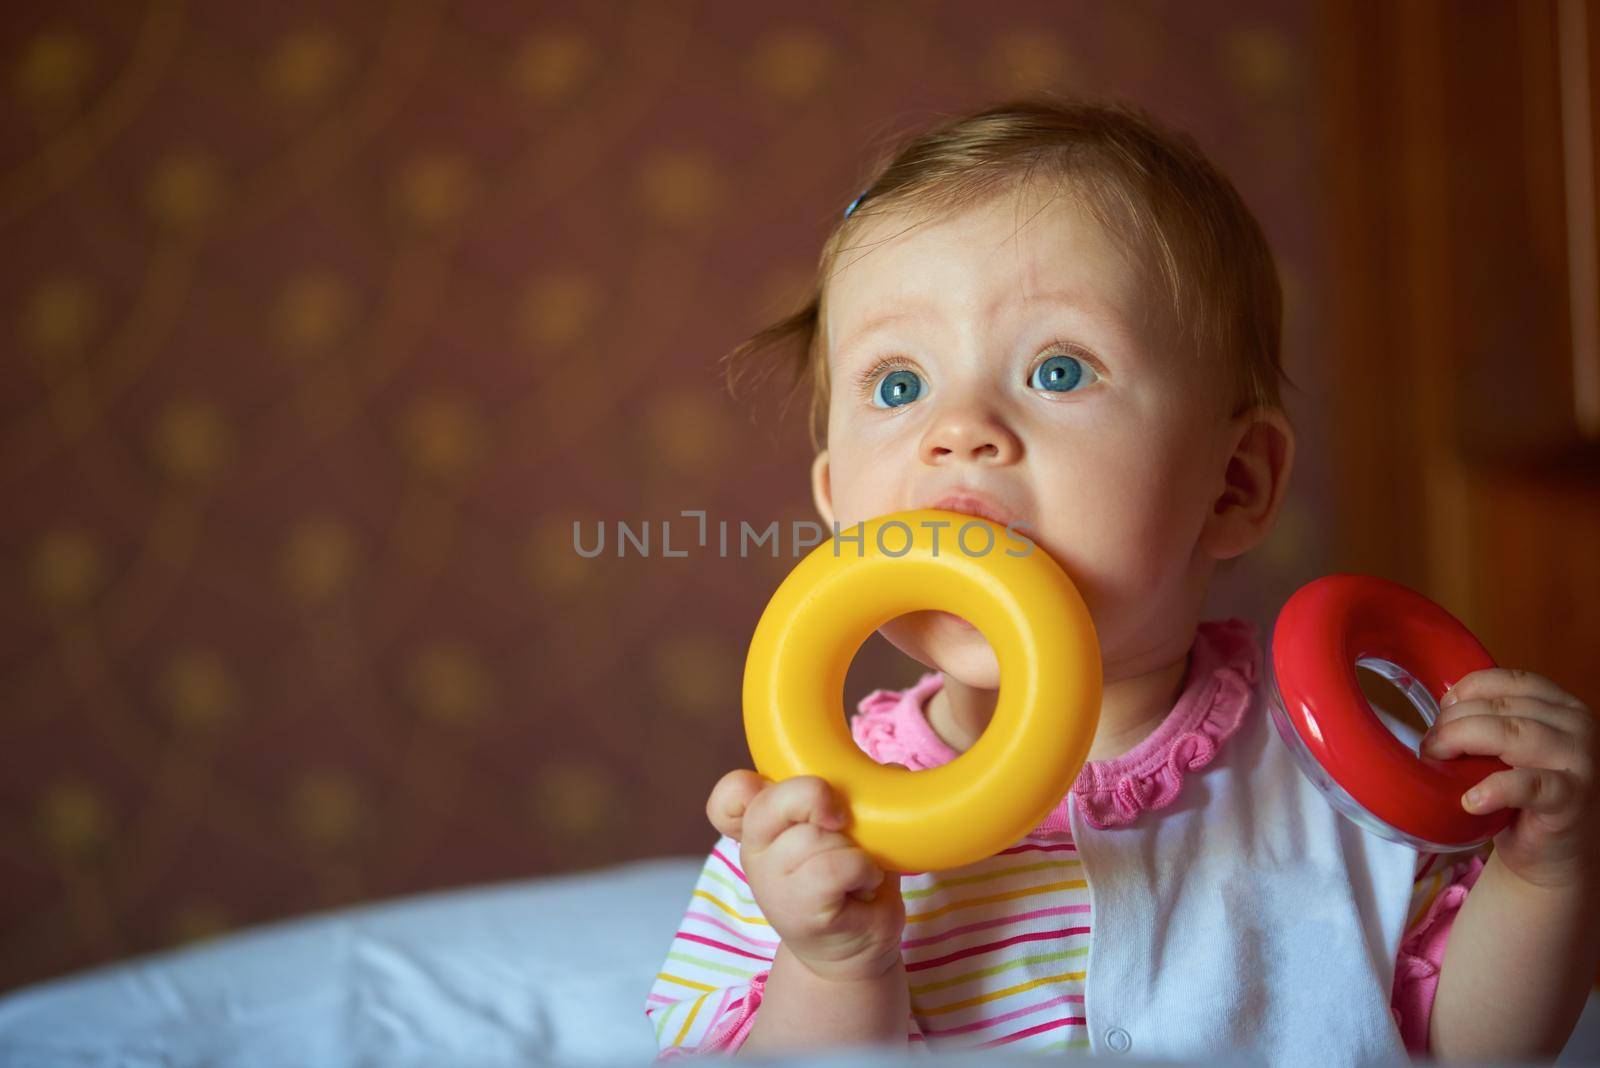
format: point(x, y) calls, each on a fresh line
point(1118, 1040)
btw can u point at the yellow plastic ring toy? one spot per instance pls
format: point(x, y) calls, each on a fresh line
point(1020, 599)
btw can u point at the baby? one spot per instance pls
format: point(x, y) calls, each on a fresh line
point(1059, 315)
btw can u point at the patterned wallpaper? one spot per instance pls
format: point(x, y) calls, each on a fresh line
point(324, 322)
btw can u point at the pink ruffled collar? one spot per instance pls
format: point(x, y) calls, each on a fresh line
point(1224, 663)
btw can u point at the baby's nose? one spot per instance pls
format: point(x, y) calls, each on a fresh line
point(970, 434)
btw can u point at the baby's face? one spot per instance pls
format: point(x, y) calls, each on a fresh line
point(1029, 369)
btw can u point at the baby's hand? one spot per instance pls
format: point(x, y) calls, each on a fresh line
point(838, 912)
point(1549, 738)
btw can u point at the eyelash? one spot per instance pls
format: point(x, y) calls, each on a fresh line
point(867, 380)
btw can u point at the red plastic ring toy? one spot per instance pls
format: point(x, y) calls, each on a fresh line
point(1327, 629)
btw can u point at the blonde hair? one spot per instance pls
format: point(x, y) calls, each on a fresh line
point(1152, 188)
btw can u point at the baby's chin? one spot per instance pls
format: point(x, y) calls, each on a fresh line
point(945, 643)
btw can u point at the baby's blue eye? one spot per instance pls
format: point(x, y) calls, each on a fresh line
point(897, 388)
point(1062, 374)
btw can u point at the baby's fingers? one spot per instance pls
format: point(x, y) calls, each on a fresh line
point(833, 873)
point(1488, 683)
point(1517, 740)
point(801, 799)
point(1533, 789)
point(730, 799)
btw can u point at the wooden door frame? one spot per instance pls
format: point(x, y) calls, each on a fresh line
point(1409, 95)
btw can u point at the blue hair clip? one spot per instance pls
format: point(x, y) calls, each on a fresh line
point(859, 198)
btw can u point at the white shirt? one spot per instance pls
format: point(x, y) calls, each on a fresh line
point(1249, 915)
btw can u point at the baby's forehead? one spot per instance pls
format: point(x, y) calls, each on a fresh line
point(1005, 255)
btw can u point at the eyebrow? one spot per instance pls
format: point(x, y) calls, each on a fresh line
point(1059, 297)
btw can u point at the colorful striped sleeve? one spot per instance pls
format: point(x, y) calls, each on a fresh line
point(705, 996)
point(1441, 884)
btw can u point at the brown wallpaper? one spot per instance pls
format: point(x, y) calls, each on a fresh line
point(324, 322)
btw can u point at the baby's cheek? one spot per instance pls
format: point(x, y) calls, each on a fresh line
point(1129, 557)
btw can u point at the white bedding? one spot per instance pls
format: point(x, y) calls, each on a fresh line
point(546, 971)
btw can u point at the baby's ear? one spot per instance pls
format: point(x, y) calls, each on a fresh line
point(1254, 480)
point(822, 488)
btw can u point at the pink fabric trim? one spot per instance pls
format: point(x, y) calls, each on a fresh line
point(728, 1033)
point(1416, 975)
point(1224, 663)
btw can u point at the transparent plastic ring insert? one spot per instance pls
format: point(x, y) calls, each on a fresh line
point(1328, 629)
